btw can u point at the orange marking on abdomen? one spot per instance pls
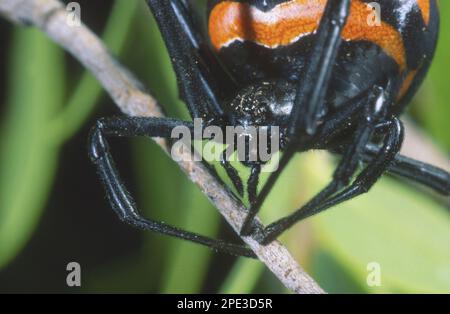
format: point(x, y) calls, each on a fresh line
point(384, 35)
point(406, 84)
point(230, 21)
point(424, 6)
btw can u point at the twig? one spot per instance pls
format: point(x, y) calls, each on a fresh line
point(130, 96)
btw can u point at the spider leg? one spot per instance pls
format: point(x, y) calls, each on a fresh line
point(255, 205)
point(363, 182)
point(120, 199)
point(417, 171)
point(223, 82)
point(252, 183)
point(191, 71)
point(232, 173)
point(312, 89)
point(333, 127)
point(354, 152)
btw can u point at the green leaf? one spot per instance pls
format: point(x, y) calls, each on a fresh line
point(28, 159)
point(187, 263)
point(331, 275)
point(36, 125)
point(243, 277)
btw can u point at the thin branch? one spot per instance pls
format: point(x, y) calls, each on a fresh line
point(130, 96)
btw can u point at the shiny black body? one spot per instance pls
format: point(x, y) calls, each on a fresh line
point(323, 92)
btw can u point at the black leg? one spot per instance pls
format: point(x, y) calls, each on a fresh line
point(310, 94)
point(221, 82)
point(363, 182)
point(335, 125)
point(338, 122)
point(252, 184)
point(120, 199)
point(232, 172)
point(255, 206)
point(420, 172)
point(354, 152)
point(417, 171)
point(193, 81)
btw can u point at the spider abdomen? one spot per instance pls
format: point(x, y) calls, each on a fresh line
point(272, 39)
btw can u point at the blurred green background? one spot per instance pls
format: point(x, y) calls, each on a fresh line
point(53, 210)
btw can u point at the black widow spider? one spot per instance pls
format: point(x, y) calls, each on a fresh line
point(343, 96)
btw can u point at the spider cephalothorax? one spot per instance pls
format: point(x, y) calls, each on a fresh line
point(331, 75)
point(263, 103)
